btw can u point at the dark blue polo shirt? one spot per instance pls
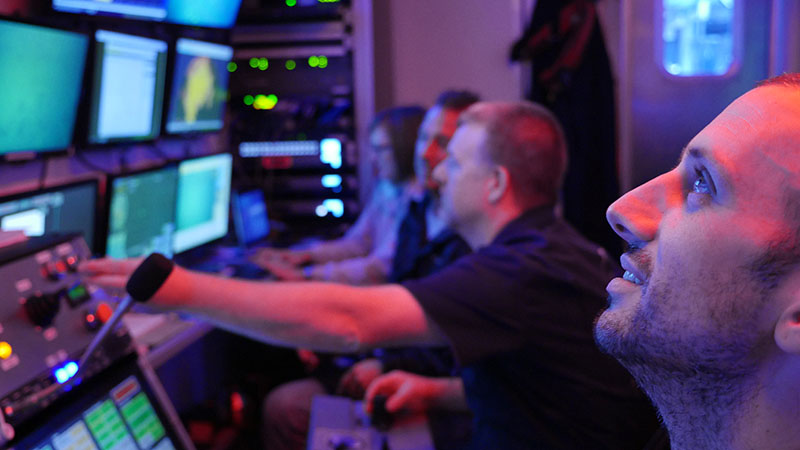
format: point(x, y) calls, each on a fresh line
point(519, 316)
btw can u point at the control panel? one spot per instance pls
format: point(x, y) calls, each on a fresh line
point(48, 316)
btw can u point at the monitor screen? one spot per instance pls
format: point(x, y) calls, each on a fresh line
point(63, 209)
point(204, 188)
point(199, 86)
point(250, 216)
point(116, 410)
point(209, 13)
point(127, 87)
point(146, 9)
point(41, 70)
point(141, 213)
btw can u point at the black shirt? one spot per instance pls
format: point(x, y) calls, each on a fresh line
point(519, 316)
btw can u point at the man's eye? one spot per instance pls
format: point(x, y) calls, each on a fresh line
point(701, 183)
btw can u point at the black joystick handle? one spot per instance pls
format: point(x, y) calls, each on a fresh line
point(380, 418)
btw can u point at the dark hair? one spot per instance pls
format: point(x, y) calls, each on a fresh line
point(458, 100)
point(527, 140)
point(402, 124)
point(786, 80)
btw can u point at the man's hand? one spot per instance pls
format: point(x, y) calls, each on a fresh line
point(408, 392)
point(281, 255)
point(355, 381)
point(282, 270)
point(111, 274)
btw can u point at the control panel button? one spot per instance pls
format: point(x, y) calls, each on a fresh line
point(71, 262)
point(76, 294)
point(5, 350)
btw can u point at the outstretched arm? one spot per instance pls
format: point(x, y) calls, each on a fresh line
point(319, 316)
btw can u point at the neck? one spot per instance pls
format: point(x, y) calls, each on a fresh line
point(482, 232)
point(718, 412)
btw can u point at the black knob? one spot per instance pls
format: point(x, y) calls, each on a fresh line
point(381, 418)
point(42, 308)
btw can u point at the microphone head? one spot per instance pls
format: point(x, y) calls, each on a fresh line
point(149, 277)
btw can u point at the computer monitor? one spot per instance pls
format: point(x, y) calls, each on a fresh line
point(127, 88)
point(209, 13)
point(141, 213)
point(204, 188)
point(69, 208)
point(117, 409)
point(145, 9)
point(206, 13)
point(41, 70)
point(199, 86)
point(250, 216)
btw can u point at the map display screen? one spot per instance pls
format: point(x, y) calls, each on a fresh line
point(199, 87)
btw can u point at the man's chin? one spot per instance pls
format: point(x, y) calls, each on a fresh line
point(611, 333)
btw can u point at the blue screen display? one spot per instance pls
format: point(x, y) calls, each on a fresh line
point(41, 70)
point(209, 13)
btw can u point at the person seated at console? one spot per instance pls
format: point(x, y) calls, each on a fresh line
point(707, 314)
point(425, 245)
point(364, 254)
point(517, 312)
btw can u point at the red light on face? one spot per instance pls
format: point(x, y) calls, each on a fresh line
point(90, 318)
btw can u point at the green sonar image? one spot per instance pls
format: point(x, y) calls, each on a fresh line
point(40, 78)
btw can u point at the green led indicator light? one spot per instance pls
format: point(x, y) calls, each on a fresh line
point(290, 64)
point(263, 63)
point(323, 62)
point(254, 62)
point(248, 99)
point(313, 61)
point(291, 2)
point(232, 66)
point(262, 101)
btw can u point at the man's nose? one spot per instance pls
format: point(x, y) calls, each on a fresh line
point(637, 215)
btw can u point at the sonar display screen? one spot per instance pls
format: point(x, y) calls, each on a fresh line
point(41, 70)
point(199, 87)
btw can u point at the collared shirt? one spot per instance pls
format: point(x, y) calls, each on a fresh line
point(519, 316)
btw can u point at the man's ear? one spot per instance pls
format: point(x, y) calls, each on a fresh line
point(787, 330)
point(499, 184)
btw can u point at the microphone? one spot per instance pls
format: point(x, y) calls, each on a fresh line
point(143, 283)
point(141, 286)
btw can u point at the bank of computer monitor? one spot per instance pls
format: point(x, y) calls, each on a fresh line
point(250, 216)
point(69, 208)
point(199, 88)
point(202, 206)
point(41, 71)
point(127, 88)
point(117, 409)
point(141, 213)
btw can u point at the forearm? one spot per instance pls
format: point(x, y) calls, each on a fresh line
point(449, 394)
point(319, 316)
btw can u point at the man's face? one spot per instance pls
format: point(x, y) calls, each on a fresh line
point(463, 178)
point(703, 287)
point(435, 132)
